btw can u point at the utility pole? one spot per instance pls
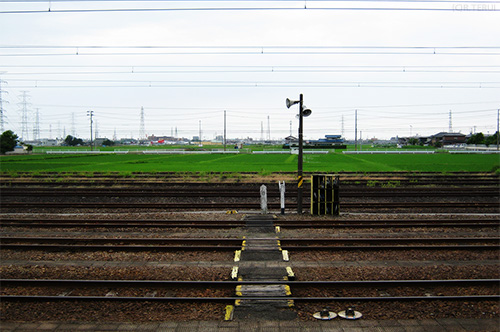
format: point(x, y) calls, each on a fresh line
point(261, 131)
point(303, 112)
point(498, 133)
point(142, 130)
point(360, 140)
point(342, 127)
point(91, 114)
point(2, 115)
point(224, 130)
point(200, 131)
point(268, 128)
point(356, 130)
point(300, 179)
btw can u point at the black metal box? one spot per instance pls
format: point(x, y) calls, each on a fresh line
point(325, 194)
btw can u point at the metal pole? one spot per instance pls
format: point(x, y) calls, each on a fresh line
point(356, 130)
point(498, 133)
point(91, 113)
point(224, 130)
point(300, 179)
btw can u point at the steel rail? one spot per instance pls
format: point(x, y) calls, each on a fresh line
point(246, 192)
point(204, 284)
point(135, 182)
point(240, 205)
point(48, 223)
point(231, 283)
point(83, 244)
point(236, 241)
point(112, 248)
point(49, 298)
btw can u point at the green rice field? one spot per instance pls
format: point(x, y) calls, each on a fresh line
point(326, 163)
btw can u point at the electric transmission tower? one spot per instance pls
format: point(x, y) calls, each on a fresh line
point(24, 115)
point(142, 130)
point(36, 128)
point(96, 130)
point(268, 128)
point(450, 127)
point(2, 115)
point(73, 128)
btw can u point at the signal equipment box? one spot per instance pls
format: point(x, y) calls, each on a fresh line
point(325, 194)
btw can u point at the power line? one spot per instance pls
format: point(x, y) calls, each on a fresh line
point(131, 70)
point(255, 52)
point(476, 7)
point(180, 85)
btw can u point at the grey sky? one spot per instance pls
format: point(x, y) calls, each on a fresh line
point(191, 65)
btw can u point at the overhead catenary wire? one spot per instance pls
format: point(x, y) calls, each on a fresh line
point(476, 6)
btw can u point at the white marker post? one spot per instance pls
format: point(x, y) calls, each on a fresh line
point(282, 196)
point(263, 199)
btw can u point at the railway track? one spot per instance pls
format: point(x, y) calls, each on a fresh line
point(121, 198)
point(167, 179)
point(154, 290)
point(225, 244)
point(349, 206)
point(152, 223)
point(246, 192)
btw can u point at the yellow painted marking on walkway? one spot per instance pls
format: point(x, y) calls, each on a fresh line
point(291, 303)
point(288, 292)
point(238, 291)
point(278, 229)
point(234, 273)
point(229, 312)
point(237, 302)
point(285, 255)
point(237, 255)
point(289, 271)
point(240, 278)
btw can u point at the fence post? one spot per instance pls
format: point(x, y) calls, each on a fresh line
point(263, 199)
point(282, 196)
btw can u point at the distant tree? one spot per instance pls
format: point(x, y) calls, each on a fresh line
point(413, 141)
point(476, 139)
point(8, 141)
point(108, 142)
point(72, 141)
point(438, 144)
point(491, 140)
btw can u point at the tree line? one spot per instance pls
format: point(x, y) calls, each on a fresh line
point(479, 138)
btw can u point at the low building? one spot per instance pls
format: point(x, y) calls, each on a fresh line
point(448, 138)
point(329, 142)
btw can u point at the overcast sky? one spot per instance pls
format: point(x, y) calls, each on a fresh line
point(402, 70)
